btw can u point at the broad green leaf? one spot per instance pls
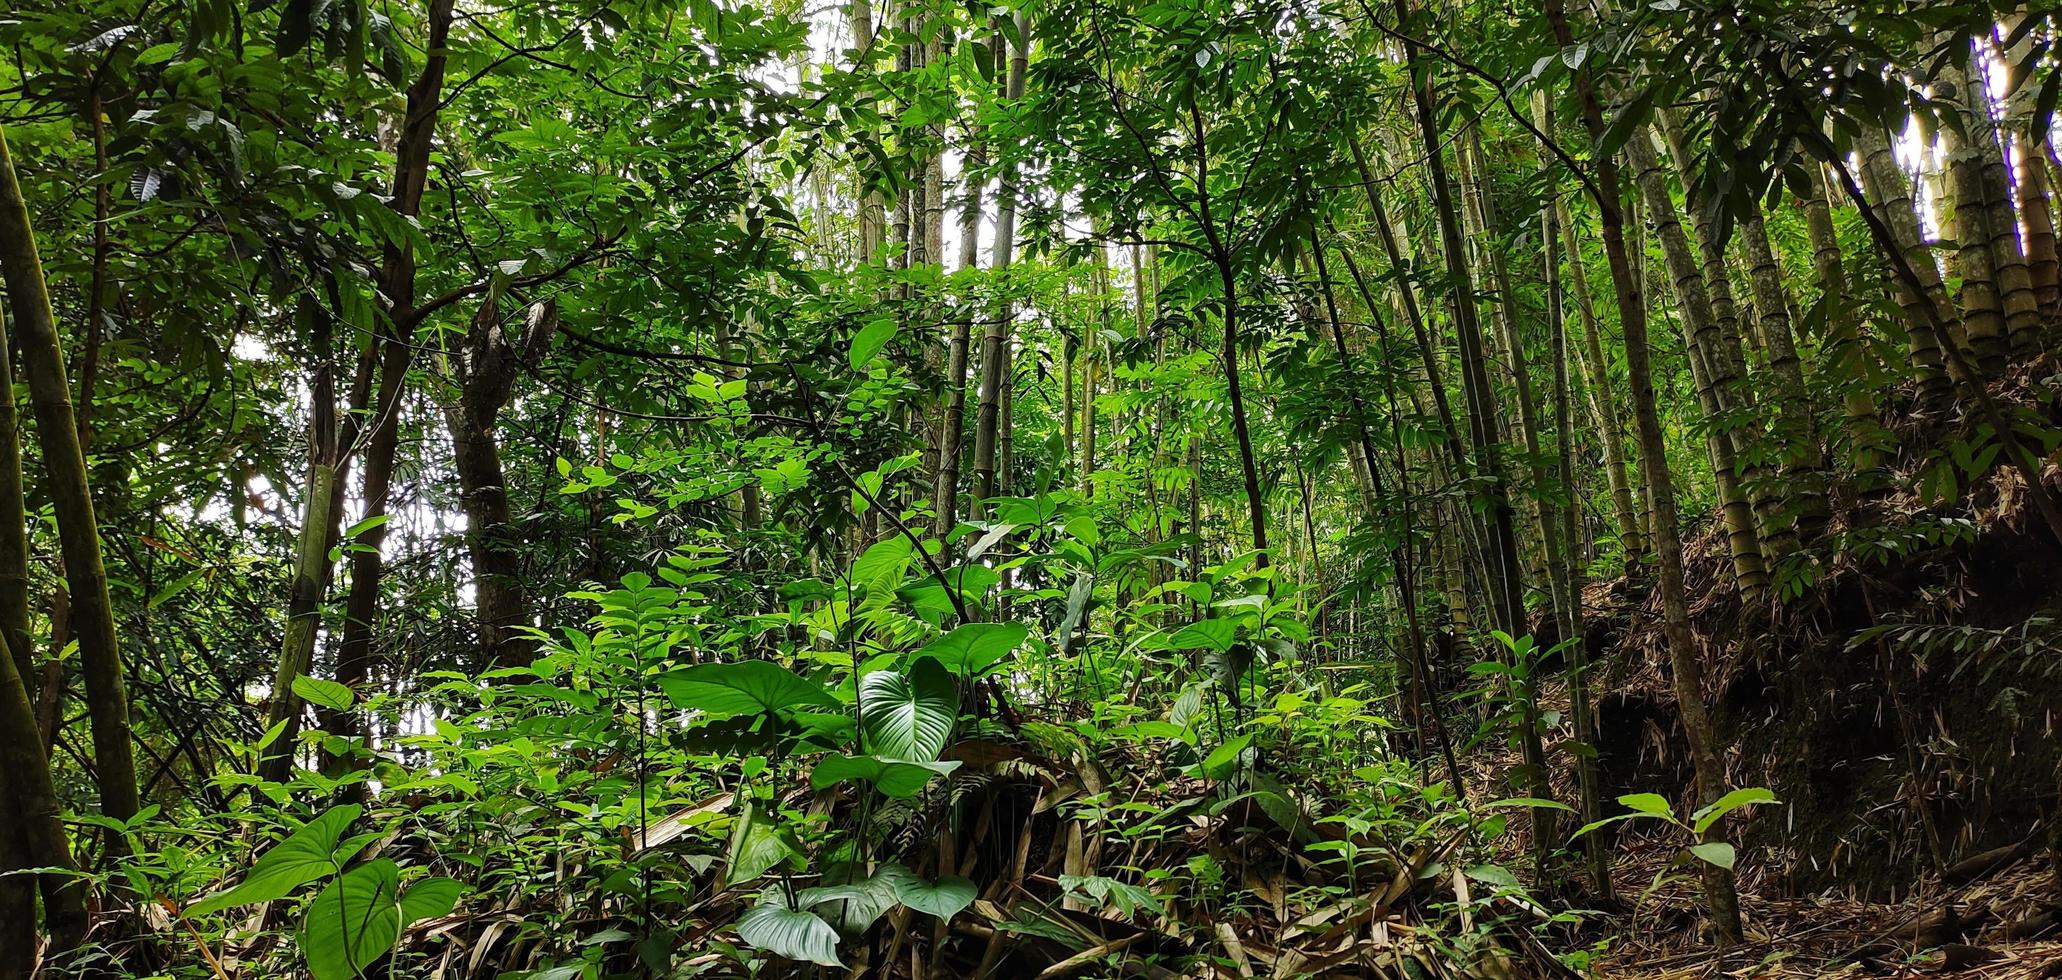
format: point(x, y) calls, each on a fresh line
point(757, 843)
point(971, 649)
point(908, 716)
point(744, 688)
point(357, 919)
point(1651, 804)
point(1702, 820)
point(855, 902)
point(1210, 634)
point(788, 933)
point(1151, 729)
point(315, 850)
point(1223, 761)
point(1716, 852)
point(353, 922)
point(869, 341)
point(1490, 874)
point(324, 693)
point(893, 777)
point(943, 898)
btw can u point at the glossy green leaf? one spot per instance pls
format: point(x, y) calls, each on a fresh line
point(790, 934)
point(971, 650)
point(316, 850)
point(908, 716)
point(747, 687)
point(893, 777)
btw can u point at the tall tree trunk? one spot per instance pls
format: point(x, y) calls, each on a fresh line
point(93, 620)
point(952, 429)
point(1701, 332)
point(1795, 431)
point(396, 284)
point(1980, 298)
point(1890, 196)
point(995, 336)
point(1597, 381)
point(32, 833)
point(1568, 572)
point(1684, 661)
point(1482, 214)
point(1099, 277)
point(2008, 261)
point(1507, 601)
point(1720, 338)
point(1842, 349)
point(486, 377)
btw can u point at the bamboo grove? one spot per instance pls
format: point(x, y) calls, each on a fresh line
point(474, 433)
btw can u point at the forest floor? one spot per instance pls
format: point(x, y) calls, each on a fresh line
point(2004, 926)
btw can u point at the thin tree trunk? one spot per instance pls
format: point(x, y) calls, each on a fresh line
point(396, 282)
point(1507, 602)
point(952, 428)
point(995, 336)
point(1568, 571)
point(1724, 359)
point(1686, 665)
point(1482, 214)
point(107, 697)
point(1702, 335)
point(1842, 348)
point(1892, 202)
point(1597, 381)
point(1795, 430)
point(1099, 277)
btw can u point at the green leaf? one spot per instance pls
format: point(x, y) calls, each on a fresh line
point(893, 777)
point(943, 898)
point(1533, 802)
point(1650, 804)
point(788, 933)
point(178, 585)
point(1702, 820)
point(1716, 852)
point(908, 716)
point(757, 843)
point(430, 898)
point(1223, 761)
point(1210, 634)
point(324, 693)
point(357, 919)
point(315, 850)
point(971, 649)
point(744, 688)
point(353, 922)
point(870, 340)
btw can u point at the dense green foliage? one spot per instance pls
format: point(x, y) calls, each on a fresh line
point(609, 488)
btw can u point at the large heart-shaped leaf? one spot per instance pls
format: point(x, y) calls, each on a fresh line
point(908, 716)
point(893, 777)
point(745, 688)
point(943, 898)
point(971, 649)
point(852, 899)
point(315, 850)
point(356, 920)
point(786, 932)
